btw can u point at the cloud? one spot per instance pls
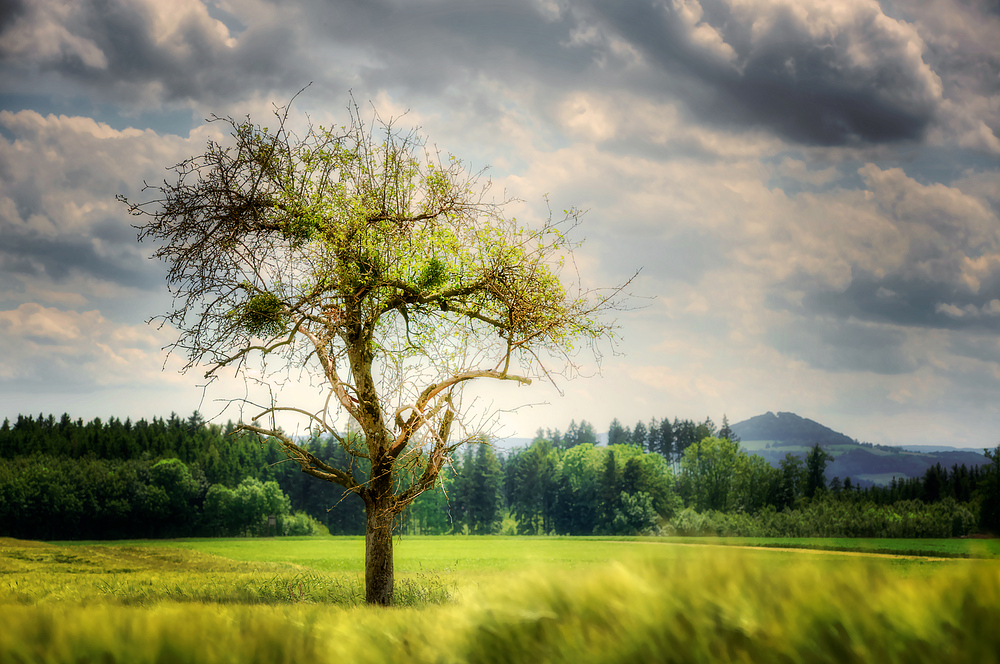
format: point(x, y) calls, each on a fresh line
point(796, 169)
point(962, 47)
point(890, 252)
point(147, 52)
point(812, 72)
point(848, 345)
point(60, 223)
point(41, 31)
point(809, 186)
point(65, 350)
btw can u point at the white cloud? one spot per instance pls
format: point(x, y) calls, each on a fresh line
point(702, 33)
point(944, 234)
point(67, 349)
point(955, 311)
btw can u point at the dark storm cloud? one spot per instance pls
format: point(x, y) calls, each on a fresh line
point(807, 88)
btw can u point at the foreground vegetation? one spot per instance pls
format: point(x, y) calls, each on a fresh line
point(493, 600)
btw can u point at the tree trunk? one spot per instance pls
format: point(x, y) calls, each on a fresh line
point(378, 553)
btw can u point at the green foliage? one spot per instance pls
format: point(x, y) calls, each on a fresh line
point(579, 490)
point(476, 496)
point(263, 314)
point(989, 493)
point(833, 518)
point(301, 228)
point(634, 514)
point(65, 479)
point(434, 275)
point(46, 497)
point(708, 469)
point(431, 512)
point(815, 478)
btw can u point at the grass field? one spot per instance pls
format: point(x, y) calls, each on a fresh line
point(497, 599)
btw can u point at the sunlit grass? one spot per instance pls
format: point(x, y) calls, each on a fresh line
point(538, 600)
point(945, 548)
point(134, 575)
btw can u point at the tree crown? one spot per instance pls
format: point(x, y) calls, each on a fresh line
point(377, 268)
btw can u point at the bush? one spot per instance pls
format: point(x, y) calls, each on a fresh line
point(300, 523)
point(832, 518)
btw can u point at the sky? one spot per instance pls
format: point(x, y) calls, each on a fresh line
point(809, 189)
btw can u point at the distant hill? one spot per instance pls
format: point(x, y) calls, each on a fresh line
point(789, 428)
point(772, 436)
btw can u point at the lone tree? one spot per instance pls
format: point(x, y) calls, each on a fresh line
point(357, 260)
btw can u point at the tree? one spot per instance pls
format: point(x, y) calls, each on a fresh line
point(789, 485)
point(609, 492)
point(639, 436)
point(577, 490)
point(666, 441)
point(531, 486)
point(685, 435)
point(616, 433)
point(174, 478)
point(755, 482)
point(476, 491)
point(816, 461)
point(379, 272)
point(585, 434)
point(709, 468)
point(726, 431)
point(989, 511)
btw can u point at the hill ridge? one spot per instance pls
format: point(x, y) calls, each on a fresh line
point(772, 436)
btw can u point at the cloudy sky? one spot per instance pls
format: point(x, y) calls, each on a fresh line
point(810, 187)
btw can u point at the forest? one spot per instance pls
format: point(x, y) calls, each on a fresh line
point(65, 479)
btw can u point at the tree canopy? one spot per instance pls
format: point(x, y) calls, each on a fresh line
point(380, 272)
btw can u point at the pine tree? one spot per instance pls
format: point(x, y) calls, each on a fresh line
point(726, 431)
point(616, 433)
point(815, 479)
point(666, 440)
point(639, 435)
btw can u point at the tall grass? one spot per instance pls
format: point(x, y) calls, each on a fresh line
point(146, 575)
point(695, 605)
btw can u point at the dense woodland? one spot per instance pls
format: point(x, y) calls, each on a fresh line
point(176, 477)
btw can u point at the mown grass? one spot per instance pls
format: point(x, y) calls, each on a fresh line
point(555, 600)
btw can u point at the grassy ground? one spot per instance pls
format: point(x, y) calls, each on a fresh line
point(491, 600)
point(934, 548)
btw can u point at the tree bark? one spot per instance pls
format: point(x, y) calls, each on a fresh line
point(379, 579)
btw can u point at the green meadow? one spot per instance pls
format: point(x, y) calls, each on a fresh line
point(494, 599)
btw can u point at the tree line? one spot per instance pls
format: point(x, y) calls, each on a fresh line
point(63, 479)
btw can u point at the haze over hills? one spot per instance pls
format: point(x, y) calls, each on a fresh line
point(772, 436)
